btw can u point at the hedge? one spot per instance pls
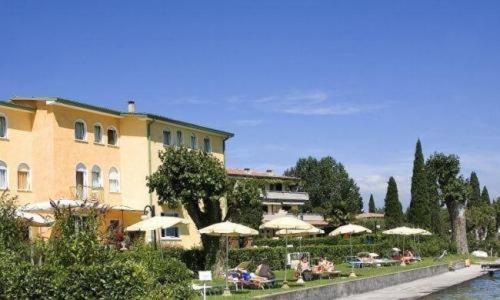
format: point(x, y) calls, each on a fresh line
point(337, 253)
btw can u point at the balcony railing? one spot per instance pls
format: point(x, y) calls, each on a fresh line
point(294, 196)
point(89, 193)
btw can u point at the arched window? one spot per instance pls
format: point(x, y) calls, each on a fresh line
point(23, 177)
point(4, 177)
point(98, 133)
point(96, 177)
point(112, 136)
point(194, 141)
point(80, 130)
point(179, 138)
point(114, 180)
point(167, 137)
point(207, 146)
point(81, 176)
point(3, 126)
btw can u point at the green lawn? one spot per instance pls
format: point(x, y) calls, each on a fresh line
point(362, 273)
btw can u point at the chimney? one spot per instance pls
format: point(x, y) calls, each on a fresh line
point(131, 106)
point(269, 172)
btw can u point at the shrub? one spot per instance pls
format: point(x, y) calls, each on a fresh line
point(114, 280)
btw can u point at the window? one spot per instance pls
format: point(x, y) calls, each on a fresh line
point(179, 138)
point(3, 126)
point(167, 138)
point(207, 147)
point(112, 136)
point(4, 184)
point(97, 134)
point(80, 181)
point(80, 130)
point(23, 177)
point(193, 141)
point(171, 232)
point(96, 177)
point(81, 176)
point(114, 180)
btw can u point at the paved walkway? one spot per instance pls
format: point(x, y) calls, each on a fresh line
point(421, 287)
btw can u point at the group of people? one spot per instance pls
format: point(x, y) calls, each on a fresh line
point(262, 274)
point(305, 270)
point(406, 256)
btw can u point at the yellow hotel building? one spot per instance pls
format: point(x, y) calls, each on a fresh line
point(54, 148)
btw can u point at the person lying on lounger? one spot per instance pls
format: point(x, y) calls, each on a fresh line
point(323, 266)
point(263, 270)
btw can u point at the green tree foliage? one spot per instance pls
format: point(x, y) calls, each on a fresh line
point(243, 202)
point(435, 208)
point(331, 191)
point(481, 219)
point(485, 196)
point(475, 196)
point(393, 210)
point(11, 227)
point(371, 205)
point(196, 180)
point(419, 210)
point(453, 191)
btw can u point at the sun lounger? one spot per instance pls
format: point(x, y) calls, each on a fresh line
point(327, 274)
point(441, 256)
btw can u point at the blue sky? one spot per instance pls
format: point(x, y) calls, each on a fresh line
point(357, 80)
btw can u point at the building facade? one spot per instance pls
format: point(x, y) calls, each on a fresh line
point(283, 196)
point(54, 148)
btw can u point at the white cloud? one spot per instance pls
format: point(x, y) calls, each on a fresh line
point(248, 123)
point(338, 109)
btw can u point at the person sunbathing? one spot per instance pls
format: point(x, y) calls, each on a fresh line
point(407, 257)
point(323, 266)
point(263, 270)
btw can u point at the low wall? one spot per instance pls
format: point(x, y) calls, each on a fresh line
point(358, 286)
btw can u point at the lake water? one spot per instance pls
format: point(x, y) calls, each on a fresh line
point(485, 287)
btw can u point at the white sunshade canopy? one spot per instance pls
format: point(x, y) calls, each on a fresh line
point(287, 223)
point(46, 206)
point(297, 232)
point(154, 223)
point(34, 219)
point(403, 230)
point(228, 229)
point(349, 229)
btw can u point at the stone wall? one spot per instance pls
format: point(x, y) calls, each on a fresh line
point(358, 286)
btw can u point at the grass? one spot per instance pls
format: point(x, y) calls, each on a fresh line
point(345, 269)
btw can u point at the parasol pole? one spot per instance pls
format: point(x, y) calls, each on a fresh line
point(227, 292)
point(285, 283)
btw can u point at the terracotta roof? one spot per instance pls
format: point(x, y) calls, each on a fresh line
point(253, 173)
point(370, 216)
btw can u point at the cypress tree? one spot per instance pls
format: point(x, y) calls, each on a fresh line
point(485, 196)
point(393, 210)
point(371, 204)
point(475, 197)
point(419, 212)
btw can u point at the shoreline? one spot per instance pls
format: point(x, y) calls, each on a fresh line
point(424, 287)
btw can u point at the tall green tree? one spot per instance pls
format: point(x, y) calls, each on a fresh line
point(331, 191)
point(243, 202)
point(371, 205)
point(485, 196)
point(435, 207)
point(453, 191)
point(475, 196)
point(393, 210)
point(419, 212)
point(198, 182)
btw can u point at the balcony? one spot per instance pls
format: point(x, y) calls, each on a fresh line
point(275, 196)
point(313, 219)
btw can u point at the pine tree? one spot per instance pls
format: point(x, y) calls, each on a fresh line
point(485, 196)
point(419, 212)
point(371, 204)
point(393, 210)
point(475, 197)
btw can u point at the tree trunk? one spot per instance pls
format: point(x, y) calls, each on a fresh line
point(458, 226)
